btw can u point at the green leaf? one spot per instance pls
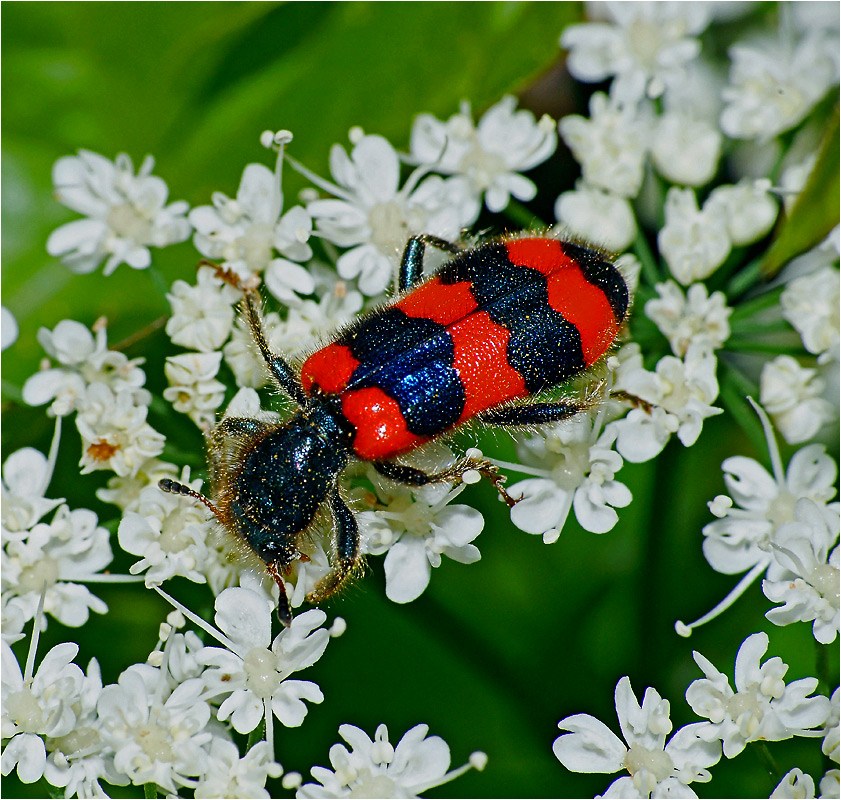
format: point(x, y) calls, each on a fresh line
point(735, 390)
point(816, 211)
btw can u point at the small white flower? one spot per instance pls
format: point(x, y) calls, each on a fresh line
point(831, 784)
point(374, 217)
point(12, 618)
point(26, 476)
point(748, 208)
point(693, 242)
point(246, 232)
point(657, 768)
point(378, 769)
point(795, 784)
point(574, 468)
point(646, 46)
point(252, 672)
point(791, 395)
point(416, 527)
point(53, 560)
point(505, 143)
point(8, 328)
point(698, 94)
point(310, 323)
point(157, 734)
point(202, 315)
point(809, 586)
point(85, 359)
point(763, 707)
point(810, 303)
point(37, 706)
point(193, 388)
point(169, 534)
point(596, 216)
point(610, 146)
point(229, 776)
point(697, 318)
point(742, 537)
point(773, 86)
point(125, 213)
point(124, 491)
point(79, 760)
point(685, 150)
point(115, 434)
point(679, 394)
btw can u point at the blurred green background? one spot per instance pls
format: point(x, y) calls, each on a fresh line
point(493, 654)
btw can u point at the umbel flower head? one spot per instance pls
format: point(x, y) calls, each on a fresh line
point(376, 768)
point(125, 214)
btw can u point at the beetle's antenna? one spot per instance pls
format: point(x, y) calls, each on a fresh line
point(173, 487)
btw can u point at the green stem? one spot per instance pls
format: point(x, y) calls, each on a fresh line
point(735, 389)
point(523, 217)
point(743, 280)
point(822, 667)
point(150, 791)
point(748, 327)
point(764, 755)
point(159, 282)
point(756, 304)
point(642, 251)
point(747, 346)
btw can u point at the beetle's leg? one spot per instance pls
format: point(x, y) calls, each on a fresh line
point(283, 374)
point(284, 612)
point(636, 402)
point(345, 550)
point(455, 474)
point(533, 413)
point(411, 264)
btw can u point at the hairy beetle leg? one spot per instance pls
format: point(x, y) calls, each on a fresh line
point(284, 612)
point(345, 550)
point(455, 474)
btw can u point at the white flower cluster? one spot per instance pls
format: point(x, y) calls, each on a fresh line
point(125, 214)
point(762, 708)
point(105, 389)
point(158, 723)
point(167, 722)
point(376, 768)
point(784, 526)
point(370, 213)
point(46, 563)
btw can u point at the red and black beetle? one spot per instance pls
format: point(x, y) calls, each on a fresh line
point(498, 323)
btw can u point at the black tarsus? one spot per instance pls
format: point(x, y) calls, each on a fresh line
point(411, 264)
